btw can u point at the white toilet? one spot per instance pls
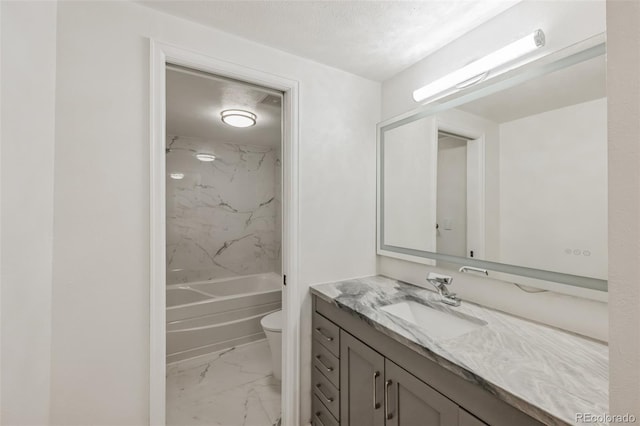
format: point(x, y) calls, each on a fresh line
point(272, 326)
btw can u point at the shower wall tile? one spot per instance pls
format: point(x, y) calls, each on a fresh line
point(223, 217)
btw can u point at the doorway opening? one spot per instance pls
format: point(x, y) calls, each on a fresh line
point(459, 194)
point(223, 250)
point(451, 203)
point(198, 263)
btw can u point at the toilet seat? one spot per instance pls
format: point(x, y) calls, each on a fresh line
point(272, 322)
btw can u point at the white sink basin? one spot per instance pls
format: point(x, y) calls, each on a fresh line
point(435, 323)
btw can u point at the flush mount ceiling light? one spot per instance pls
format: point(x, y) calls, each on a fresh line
point(479, 70)
point(238, 118)
point(205, 157)
point(176, 176)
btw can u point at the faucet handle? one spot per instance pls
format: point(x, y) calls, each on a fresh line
point(440, 282)
point(451, 299)
point(432, 277)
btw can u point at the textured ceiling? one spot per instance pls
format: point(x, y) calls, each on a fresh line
point(195, 100)
point(374, 39)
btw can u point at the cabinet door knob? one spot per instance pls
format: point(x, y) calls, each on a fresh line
point(325, 336)
point(318, 417)
point(327, 367)
point(324, 395)
point(387, 413)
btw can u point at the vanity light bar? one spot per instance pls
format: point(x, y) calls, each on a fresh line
point(479, 70)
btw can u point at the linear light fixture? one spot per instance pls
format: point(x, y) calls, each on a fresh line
point(238, 118)
point(479, 70)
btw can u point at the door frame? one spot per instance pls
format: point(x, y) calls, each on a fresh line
point(161, 54)
point(476, 190)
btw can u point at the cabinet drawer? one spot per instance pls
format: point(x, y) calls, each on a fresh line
point(327, 333)
point(327, 393)
point(321, 415)
point(327, 363)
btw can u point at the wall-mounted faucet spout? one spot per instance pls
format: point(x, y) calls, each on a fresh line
point(473, 269)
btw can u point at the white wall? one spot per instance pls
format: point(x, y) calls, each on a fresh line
point(101, 248)
point(623, 89)
point(558, 20)
point(553, 187)
point(28, 92)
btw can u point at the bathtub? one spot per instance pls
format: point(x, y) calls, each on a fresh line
point(209, 316)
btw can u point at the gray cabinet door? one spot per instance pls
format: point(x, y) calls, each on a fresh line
point(410, 402)
point(361, 383)
point(467, 419)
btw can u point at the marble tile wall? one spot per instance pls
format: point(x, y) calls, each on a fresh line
point(223, 217)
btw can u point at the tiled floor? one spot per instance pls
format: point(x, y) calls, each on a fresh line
point(230, 388)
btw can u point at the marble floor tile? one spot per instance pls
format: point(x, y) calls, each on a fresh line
point(233, 387)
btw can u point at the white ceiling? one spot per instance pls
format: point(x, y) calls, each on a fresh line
point(373, 39)
point(195, 100)
point(579, 83)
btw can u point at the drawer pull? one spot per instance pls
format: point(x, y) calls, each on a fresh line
point(376, 404)
point(327, 367)
point(318, 413)
point(387, 414)
point(324, 395)
point(325, 336)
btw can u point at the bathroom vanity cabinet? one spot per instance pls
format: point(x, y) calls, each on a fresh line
point(395, 393)
point(362, 377)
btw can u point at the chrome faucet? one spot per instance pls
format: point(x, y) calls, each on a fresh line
point(440, 282)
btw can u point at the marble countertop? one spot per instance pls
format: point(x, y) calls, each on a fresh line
point(547, 373)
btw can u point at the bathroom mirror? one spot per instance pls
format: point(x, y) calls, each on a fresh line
point(510, 176)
